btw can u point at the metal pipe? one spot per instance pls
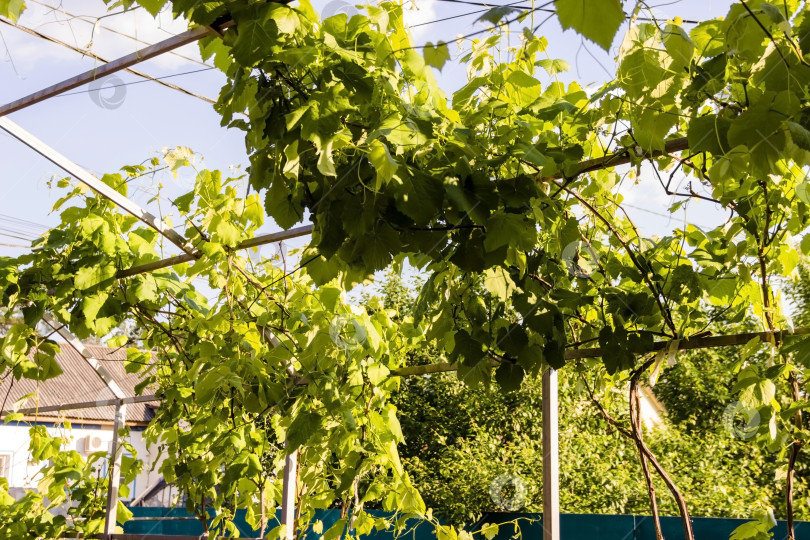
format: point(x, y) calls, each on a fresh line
point(551, 457)
point(114, 472)
point(175, 42)
point(85, 405)
point(288, 495)
point(95, 184)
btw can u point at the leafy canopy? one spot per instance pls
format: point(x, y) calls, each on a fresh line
point(346, 126)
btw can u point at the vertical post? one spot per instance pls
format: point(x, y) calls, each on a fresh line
point(288, 495)
point(551, 458)
point(114, 471)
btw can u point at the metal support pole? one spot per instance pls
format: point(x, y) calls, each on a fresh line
point(551, 458)
point(83, 405)
point(189, 36)
point(288, 493)
point(95, 184)
point(114, 472)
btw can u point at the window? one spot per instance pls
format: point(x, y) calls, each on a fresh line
point(5, 466)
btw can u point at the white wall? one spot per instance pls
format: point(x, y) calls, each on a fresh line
point(14, 440)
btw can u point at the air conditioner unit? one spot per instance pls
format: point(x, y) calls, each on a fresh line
point(94, 443)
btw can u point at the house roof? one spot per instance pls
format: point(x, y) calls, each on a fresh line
point(79, 383)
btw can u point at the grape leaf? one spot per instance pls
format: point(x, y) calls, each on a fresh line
point(709, 134)
point(152, 6)
point(799, 134)
point(597, 20)
point(12, 9)
point(494, 15)
point(436, 55)
point(385, 165)
point(509, 376)
point(510, 230)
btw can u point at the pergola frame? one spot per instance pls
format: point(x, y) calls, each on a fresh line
point(551, 529)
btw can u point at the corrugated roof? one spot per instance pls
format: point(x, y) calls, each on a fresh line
point(80, 383)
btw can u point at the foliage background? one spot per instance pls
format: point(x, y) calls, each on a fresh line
point(458, 439)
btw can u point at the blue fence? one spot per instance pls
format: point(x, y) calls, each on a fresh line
point(573, 526)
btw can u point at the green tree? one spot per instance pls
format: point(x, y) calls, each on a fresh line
point(458, 439)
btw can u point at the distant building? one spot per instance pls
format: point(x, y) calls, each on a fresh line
point(91, 429)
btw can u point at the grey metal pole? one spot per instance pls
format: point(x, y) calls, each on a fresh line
point(96, 185)
point(189, 36)
point(551, 458)
point(85, 405)
point(288, 493)
point(114, 472)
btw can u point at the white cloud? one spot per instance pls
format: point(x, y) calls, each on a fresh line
point(27, 51)
point(417, 12)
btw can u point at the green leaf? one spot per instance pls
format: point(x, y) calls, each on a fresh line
point(463, 95)
point(525, 91)
point(414, 64)
point(326, 162)
point(490, 530)
point(420, 197)
point(761, 130)
point(122, 513)
point(152, 6)
point(773, 12)
point(755, 392)
point(15, 342)
point(97, 228)
point(709, 134)
point(494, 15)
point(616, 352)
point(90, 276)
point(137, 360)
point(805, 245)
point(92, 304)
point(679, 46)
point(117, 341)
point(255, 38)
point(708, 37)
point(510, 230)
point(226, 233)
point(285, 17)
point(743, 35)
point(597, 20)
point(467, 349)
point(11, 9)
point(651, 127)
point(336, 531)
point(498, 283)
point(377, 374)
point(554, 354)
point(254, 465)
point(146, 288)
point(509, 376)
point(282, 205)
point(45, 359)
point(213, 46)
point(553, 67)
point(8, 418)
point(384, 164)
point(528, 152)
point(436, 55)
point(180, 156)
point(799, 134)
point(531, 358)
point(301, 429)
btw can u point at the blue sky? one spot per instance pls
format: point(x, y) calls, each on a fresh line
point(118, 126)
